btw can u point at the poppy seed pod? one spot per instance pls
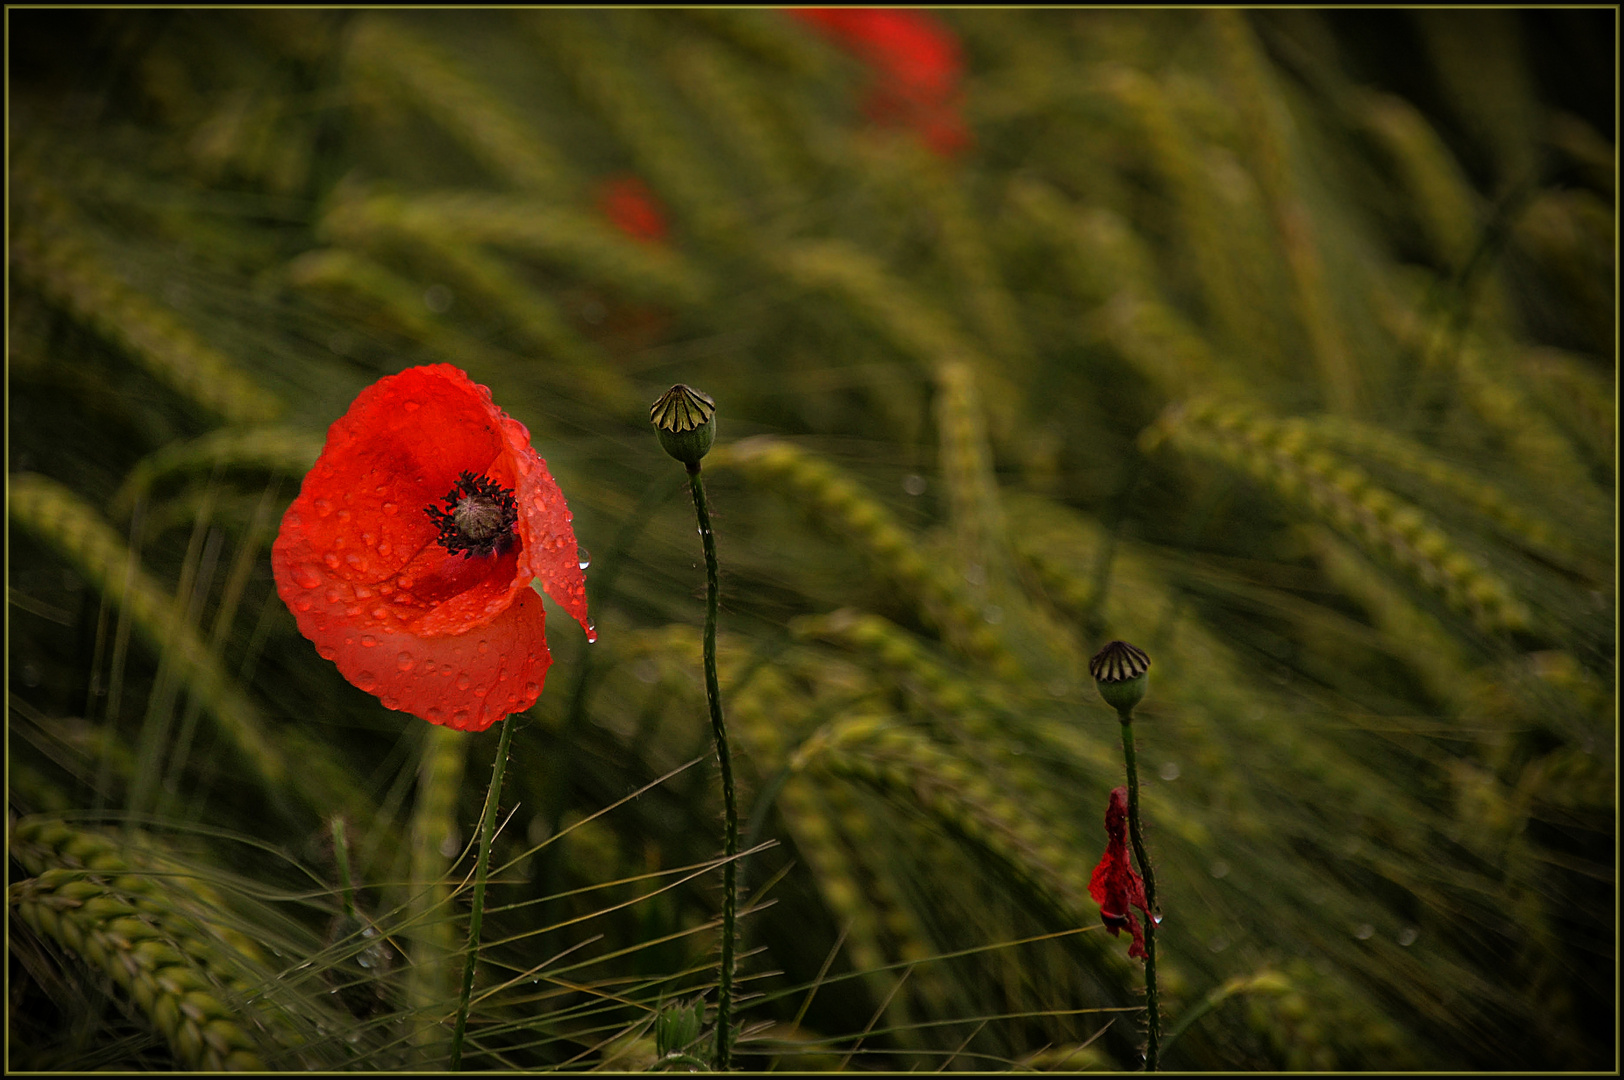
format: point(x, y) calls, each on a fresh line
point(685, 420)
point(1119, 673)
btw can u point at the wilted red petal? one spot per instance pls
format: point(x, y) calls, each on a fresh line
point(1114, 884)
point(454, 640)
point(632, 208)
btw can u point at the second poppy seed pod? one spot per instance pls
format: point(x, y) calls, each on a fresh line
point(685, 420)
point(1119, 673)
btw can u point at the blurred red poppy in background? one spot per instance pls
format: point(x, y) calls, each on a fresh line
point(1115, 884)
point(633, 209)
point(918, 67)
point(408, 555)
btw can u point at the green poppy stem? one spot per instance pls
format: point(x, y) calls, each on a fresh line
point(1153, 1020)
point(476, 917)
point(730, 810)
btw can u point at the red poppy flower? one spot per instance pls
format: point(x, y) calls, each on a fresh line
point(408, 556)
point(632, 208)
point(917, 65)
point(1115, 884)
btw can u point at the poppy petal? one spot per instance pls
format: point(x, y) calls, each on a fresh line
point(464, 681)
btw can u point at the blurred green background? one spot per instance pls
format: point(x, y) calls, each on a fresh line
point(1278, 343)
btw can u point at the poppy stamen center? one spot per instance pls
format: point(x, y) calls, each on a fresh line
point(478, 519)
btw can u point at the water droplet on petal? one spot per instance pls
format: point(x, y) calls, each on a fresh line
point(460, 717)
point(484, 647)
point(331, 559)
point(380, 612)
point(385, 548)
point(366, 680)
point(390, 508)
point(584, 557)
point(368, 641)
point(306, 577)
point(404, 661)
point(426, 668)
point(411, 406)
point(532, 689)
point(323, 508)
point(591, 632)
point(344, 516)
point(463, 681)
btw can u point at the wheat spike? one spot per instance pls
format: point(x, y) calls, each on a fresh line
point(1344, 496)
point(1212, 235)
point(912, 325)
point(969, 256)
point(1270, 154)
point(576, 367)
point(62, 521)
point(801, 804)
point(57, 255)
point(745, 117)
point(576, 240)
point(1480, 69)
point(966, 466)
point(641, 119)
point(902, 764)
point(1578, 391)
point(1492, 390)
point(1439, 194)
point(386, 56)
point(434, 830)
point(856, 516)
point(1108, 266)
point(1512, 517)
point(282, 450)
point(1416, 638)
point(159, 933)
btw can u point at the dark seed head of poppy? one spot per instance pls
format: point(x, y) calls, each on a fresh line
point(478, 519)
point(1119, 673)
point(685, 421)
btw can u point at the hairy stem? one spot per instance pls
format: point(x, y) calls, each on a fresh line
point(730, 811)
point(1153, 1020)
point(476, 917)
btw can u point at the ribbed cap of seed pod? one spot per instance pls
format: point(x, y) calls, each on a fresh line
point(1119, 674)
point(685, 420)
